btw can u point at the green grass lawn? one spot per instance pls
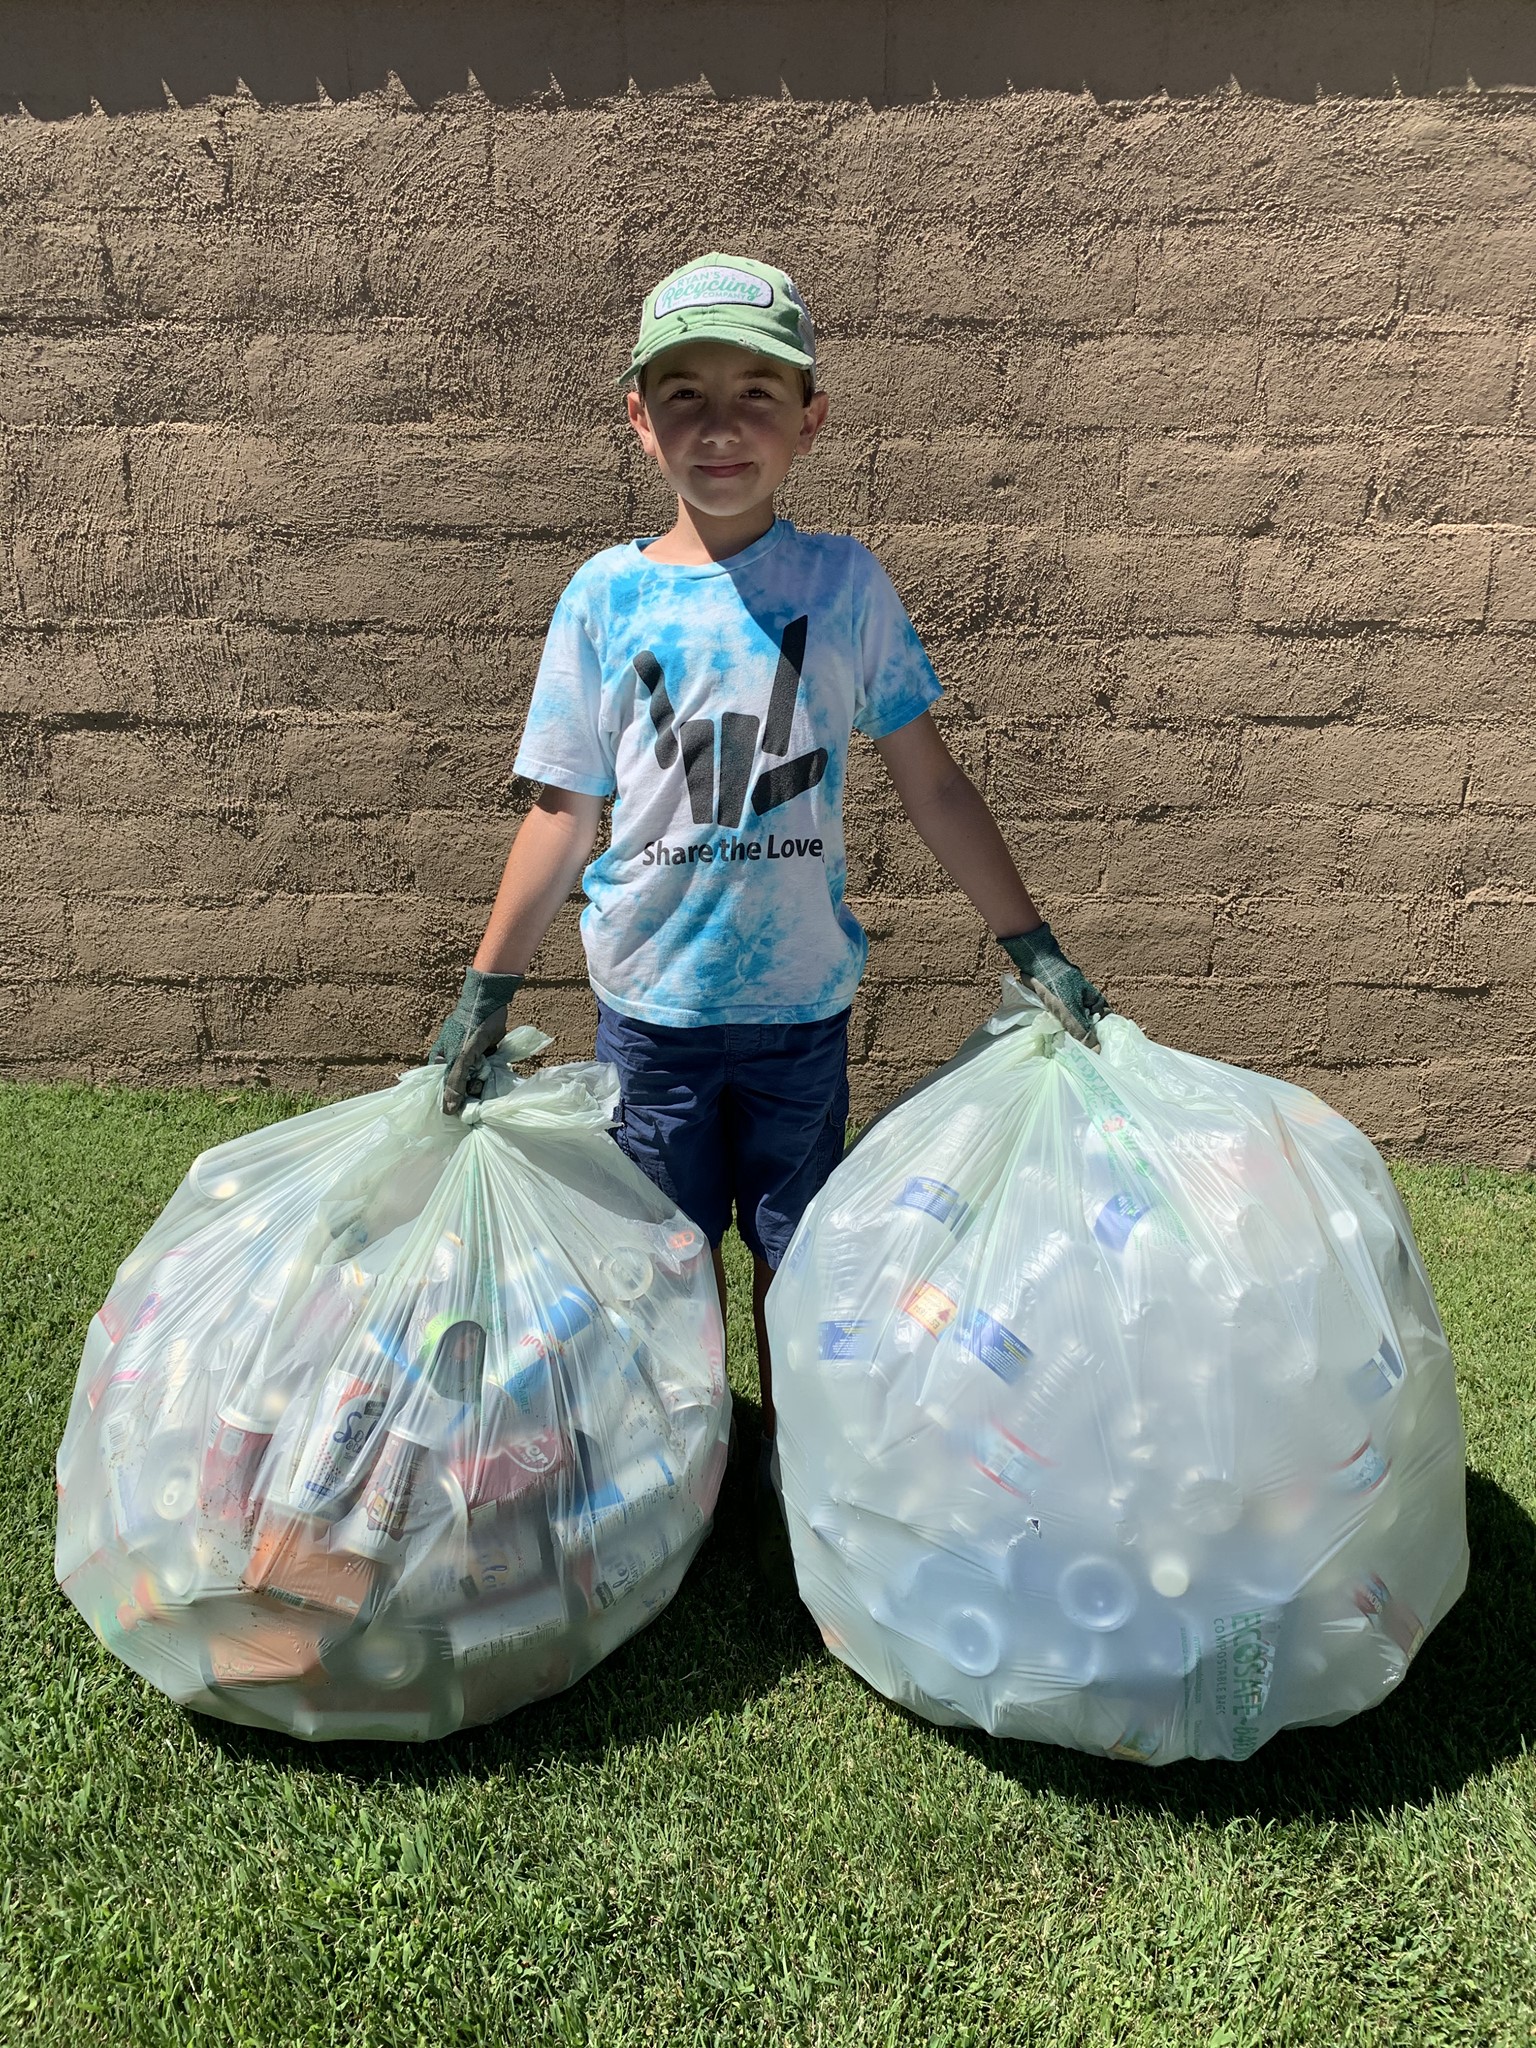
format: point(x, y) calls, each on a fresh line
point(721, 1835)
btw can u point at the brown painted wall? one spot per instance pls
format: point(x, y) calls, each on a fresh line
point(1196, 434)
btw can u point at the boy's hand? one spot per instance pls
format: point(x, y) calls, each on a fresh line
point(475, 1025)
point(1065, 991)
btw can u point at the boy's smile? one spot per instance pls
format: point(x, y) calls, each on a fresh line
point(724, 425)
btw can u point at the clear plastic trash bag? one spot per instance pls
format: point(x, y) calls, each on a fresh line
point(397, 1421)
point(1114, 1409)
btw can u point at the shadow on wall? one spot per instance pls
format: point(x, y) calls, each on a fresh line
point(59, 57)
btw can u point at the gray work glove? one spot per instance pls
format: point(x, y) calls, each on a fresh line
point(1065, 991)
point(475, 1026)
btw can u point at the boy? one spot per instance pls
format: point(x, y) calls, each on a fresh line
point(708, 681)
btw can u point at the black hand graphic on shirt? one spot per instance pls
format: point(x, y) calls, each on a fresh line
point(738, 741)
point(648, 669)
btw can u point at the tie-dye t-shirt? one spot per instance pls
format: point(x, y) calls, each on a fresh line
point(714, 704)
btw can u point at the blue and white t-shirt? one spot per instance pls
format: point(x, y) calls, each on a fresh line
point(714, 704)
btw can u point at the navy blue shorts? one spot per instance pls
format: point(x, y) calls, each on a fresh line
point(723, 1115)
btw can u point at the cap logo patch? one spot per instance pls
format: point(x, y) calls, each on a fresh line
point(714, 285)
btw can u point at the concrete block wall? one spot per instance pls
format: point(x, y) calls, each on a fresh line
point(1197, 435)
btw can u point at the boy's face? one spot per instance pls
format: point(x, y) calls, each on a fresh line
point(724, 424)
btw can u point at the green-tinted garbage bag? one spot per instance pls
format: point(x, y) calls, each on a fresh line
point(1114, 1409)
point(397, 1421)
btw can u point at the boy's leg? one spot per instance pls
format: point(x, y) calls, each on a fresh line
point(785, 1114)
point(670, 1088)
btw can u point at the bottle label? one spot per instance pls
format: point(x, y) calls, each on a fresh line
point(1008, 1461)
point(995, 1347)
point(1380, 1374)
point(933, 1198)
point(1362, 1471)
point(1374, 1600)
point(837, 1340)
point(1117, 1219)
point(930, 1306)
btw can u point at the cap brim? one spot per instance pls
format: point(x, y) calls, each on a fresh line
point(719, 330)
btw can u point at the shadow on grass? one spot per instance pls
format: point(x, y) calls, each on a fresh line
point(1466, 1706)
point(722, 1642)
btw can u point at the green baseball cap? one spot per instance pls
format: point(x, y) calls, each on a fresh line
point(726, 298)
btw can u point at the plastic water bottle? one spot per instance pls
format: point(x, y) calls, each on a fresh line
point(170, 1575)
point(1395, 1618)
point(1264, 1339)
point(913, 1225)
point(624, 1275)
point(927, 1309)
point(1009, 1461)
point(872, 1551)
point(953, 1610)
point(849, 1361)
point(1045, 1403)
point(388, 1678)
point(973, 1145)
point(1096, 1593)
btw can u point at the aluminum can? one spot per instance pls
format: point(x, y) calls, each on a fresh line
point(378, 1524)
point(510, 1461)
point(341, 1434)
point(231, 1468)
point(265, 1649)
point(487, 1631)
point(294, 1561)
point(165, 1494)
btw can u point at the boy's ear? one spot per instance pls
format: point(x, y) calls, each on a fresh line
point(639, 418)
point(815, 418)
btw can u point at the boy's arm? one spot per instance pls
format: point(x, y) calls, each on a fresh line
point(953, 821)
point(547, 855)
